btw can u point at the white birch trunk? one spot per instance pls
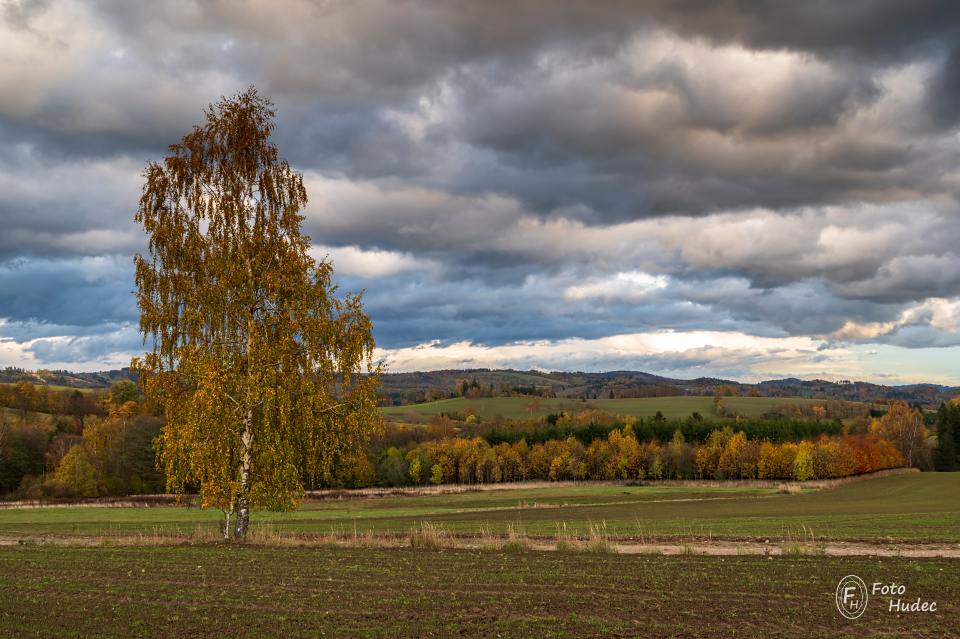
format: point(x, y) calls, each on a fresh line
point(243, 499)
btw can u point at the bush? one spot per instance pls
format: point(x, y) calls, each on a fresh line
point(392, 469)
point(22, 452)
point(31, 487)
point(75, 474)
point(353, 471)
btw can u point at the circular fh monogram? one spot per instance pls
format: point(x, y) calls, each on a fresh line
point(851, 596)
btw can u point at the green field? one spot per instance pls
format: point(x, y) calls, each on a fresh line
point(56, 387)
point(520, 407)
point(909, 508)
point(230, 591)
point(13, 414)
point(53, 576)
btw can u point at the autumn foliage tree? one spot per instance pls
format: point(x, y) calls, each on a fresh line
point(264, 376)
point(76, 474)
point(726, 454)
point(903, 426)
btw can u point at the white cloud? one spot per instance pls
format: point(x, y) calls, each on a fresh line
point(104, 351)
point(685, 355)
point(499, 174)
point(357, 262)
point(691, 353)
point(629, 286)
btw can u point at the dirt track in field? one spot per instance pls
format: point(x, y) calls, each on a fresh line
point(832, 549)
point(466, 542)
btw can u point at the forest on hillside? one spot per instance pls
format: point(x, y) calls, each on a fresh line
point(63, 443)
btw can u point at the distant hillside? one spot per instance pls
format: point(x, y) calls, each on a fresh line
point(857, 391)
point(410, 388)
point(407, 388)
point(667, 407)
point(100, 379)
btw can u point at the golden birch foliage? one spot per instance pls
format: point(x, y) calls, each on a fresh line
point(803, 462)
point(903, 426)
point(252, 353)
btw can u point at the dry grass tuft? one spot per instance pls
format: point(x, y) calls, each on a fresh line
point(800, 550)
point(789, 489)
point(265, 534)
point(428, 536)
point(599, 540)
point(489, 540)
point(204, 534)
point(517, 540)
point(565, 541)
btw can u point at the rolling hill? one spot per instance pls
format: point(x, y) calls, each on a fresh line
point(399, 389)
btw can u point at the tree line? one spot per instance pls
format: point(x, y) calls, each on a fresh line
point(51, 448)
point(589, 425)
point(593, 444)
point(24, 397)
point(112, 449)
point(725, 454)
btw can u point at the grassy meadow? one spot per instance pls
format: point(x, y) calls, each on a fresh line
point(59, 388)
point(909, 508)
point(13, 415)
point(525, 407)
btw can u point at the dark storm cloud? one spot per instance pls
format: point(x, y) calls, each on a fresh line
point(52, 208)
point(513, 171)
point(920, 337)
point(111, 348)
point(19, 14)
point(384, 45)
point(411, 312)
point(410, 309)
point(909, 278)
point(804, 308)
point(872, 29)
point(80, 292)
point(357, 140)
point(944, 95)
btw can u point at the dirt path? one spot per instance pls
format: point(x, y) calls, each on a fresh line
point(719, 548)
point(829, 549)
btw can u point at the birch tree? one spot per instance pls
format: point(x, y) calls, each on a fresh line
point(264, 375)
point(903, 426)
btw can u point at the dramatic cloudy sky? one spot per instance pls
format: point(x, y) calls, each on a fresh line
point(690, 188)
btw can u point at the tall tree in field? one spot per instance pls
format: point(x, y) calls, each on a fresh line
point(264, 376)
point(903, 425)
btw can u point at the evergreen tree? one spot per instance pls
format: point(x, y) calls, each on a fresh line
point(948, 421)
